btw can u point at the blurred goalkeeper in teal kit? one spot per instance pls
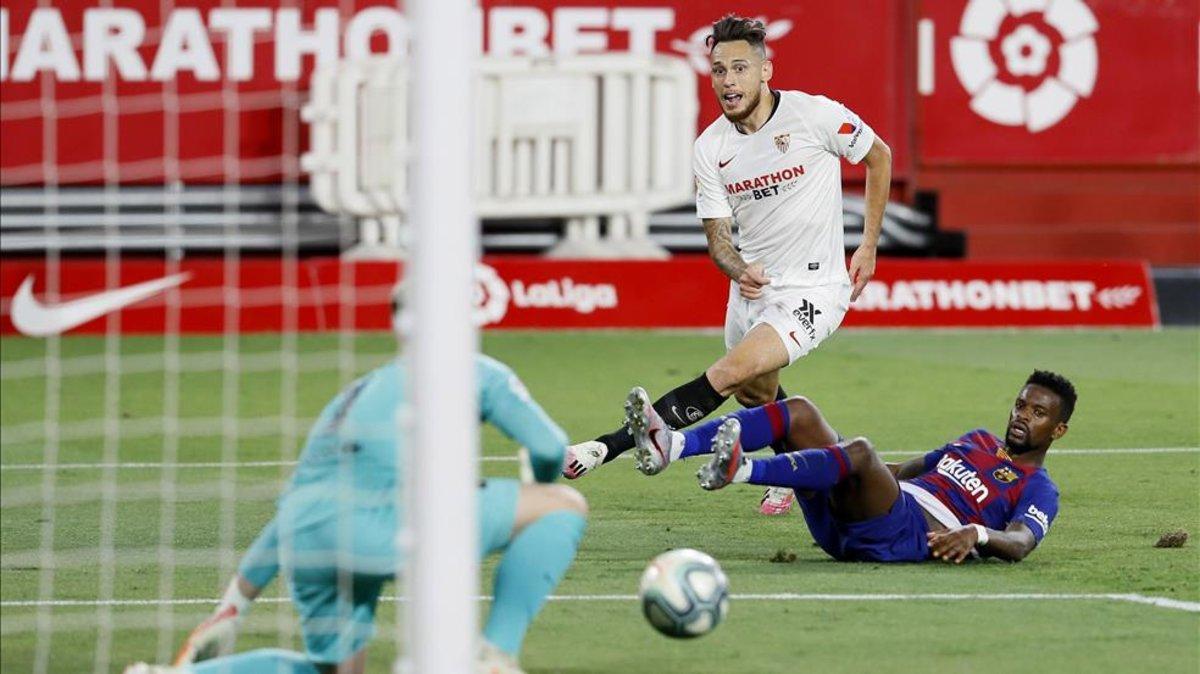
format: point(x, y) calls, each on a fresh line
point(334, 534)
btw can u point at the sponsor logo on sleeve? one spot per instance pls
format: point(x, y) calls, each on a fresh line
point(852, 129)
point(1034, 513)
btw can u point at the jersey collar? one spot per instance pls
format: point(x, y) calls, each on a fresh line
point(775, 106)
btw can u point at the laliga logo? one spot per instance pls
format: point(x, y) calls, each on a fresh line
point(697, 52)
point(491, 296)
point(1021, 91)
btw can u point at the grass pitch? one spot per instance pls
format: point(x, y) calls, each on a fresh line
point(907, 391)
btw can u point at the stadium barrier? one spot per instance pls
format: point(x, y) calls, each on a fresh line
point(552, 159)
point(533, 292)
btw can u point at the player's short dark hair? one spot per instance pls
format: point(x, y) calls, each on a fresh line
point(1060, 386)
point(731, 28)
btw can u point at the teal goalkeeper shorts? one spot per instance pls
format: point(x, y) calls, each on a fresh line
point(336, 594)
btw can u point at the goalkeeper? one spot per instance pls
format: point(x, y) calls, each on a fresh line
point(326, 536)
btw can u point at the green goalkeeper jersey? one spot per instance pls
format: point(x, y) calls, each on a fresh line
point(355, 442)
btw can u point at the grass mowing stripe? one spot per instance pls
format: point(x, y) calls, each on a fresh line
point(139, 465)
point(1159, 602)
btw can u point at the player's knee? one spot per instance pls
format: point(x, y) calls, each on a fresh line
point(568, 498)
point(861, 452)
point(747, 398)
point(802, 412)
point(728, 374)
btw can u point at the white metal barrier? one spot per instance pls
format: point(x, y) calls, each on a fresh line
point(579, 138)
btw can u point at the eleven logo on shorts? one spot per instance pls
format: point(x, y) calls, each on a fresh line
point(806, 313)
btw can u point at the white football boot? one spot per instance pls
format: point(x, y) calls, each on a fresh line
point(583, 458)
point(211, 638)
point(727, 453)
point(777, 501)
point(651, 435)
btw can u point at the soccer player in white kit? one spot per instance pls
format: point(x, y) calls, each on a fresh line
point(772, 164)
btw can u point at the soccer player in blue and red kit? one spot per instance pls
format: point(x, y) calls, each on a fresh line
point(977, 494)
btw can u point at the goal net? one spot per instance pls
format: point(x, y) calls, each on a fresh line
point(176, 311)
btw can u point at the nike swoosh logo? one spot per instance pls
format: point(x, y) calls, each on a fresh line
point(792, 334)
point(721, 164)
point(35, 319)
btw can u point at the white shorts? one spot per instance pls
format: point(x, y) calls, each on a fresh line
point(803, 317)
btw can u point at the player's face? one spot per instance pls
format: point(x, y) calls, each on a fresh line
point(1034, 421)
point(739, 77)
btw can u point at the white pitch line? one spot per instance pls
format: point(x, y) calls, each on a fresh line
point(151, 465)
point(1158, 602)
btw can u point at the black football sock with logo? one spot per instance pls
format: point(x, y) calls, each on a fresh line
point(681, 407)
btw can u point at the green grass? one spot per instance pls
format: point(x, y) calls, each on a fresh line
point(908, 391)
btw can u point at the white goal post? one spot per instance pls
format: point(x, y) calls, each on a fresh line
point(443, 566)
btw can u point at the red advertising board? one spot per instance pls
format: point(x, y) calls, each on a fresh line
point(206, 295)
point(1062, 82)
point(237, 75)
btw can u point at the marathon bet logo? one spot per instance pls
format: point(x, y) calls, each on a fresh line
point(984, 295)
point(962, 474)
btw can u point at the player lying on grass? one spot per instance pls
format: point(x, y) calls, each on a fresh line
point(978, 493)
point(771, 163)
point(334, 535)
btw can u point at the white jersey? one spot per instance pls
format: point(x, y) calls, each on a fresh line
point(783, 186)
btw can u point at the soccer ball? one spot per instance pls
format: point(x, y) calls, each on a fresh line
point(684, 593)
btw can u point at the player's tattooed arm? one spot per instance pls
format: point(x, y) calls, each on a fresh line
point(750, 276)
point(720, 246)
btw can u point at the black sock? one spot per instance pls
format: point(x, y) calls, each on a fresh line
point(681, 407)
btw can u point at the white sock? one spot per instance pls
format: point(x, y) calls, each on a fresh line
point(743, 473)
point(676, 445)
point(233, 597)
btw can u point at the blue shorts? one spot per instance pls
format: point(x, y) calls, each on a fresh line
point(336, 573)
point(897, 536)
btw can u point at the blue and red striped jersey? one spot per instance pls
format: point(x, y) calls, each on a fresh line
point(976, 481)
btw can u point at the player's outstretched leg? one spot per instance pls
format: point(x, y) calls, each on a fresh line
point(275, 660)
point(819, 470)
point(656, 443)
point(680, 407)
point(550, 520)
point(760, 427)
point(728, 457)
